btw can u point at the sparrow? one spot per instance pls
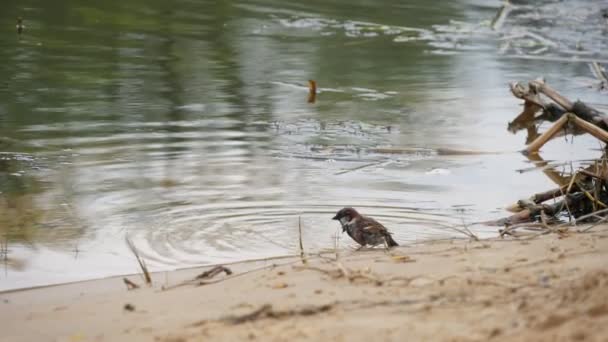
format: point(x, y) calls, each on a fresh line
point(364, 230)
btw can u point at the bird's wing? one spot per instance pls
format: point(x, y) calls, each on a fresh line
point(373, 226)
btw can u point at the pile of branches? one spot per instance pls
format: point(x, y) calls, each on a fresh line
point(585, 198)
point(580, 197)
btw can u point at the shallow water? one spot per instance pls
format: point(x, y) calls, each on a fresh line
point(186, 127)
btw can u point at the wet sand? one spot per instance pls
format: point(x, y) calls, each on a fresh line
point(543, 289)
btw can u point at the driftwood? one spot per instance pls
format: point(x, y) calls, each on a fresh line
point(547, 195)
point(584, 192)
point(533, 212)
point(563, 111)
point(581, 193)
point(551, 111)
point(536, 88)
point(581, 124)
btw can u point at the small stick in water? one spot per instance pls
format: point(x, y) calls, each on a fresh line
point(312, 91)
point(300, 239)
point(20, 26)
point(141, 261)
point(130, 285)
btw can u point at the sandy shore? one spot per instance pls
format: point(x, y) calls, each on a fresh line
point(543, 289)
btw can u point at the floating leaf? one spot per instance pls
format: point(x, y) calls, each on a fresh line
point(312, 91)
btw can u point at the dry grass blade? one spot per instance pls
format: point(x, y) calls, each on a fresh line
point(468, 231)
point(571, 183)
point(302, 257)
point(337, 244)
point(501, 16)
point(4, 248)
point(130, 285)
point(599, 73)
point(142, 263)
point(593, 200)
point(602, 220)
point(566, 202)
point(359, 167)
point(464, 231)
point(594, 214)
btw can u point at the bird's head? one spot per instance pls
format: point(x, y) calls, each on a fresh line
point(346, 214)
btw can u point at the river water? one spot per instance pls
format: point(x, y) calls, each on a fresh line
point(185, 124)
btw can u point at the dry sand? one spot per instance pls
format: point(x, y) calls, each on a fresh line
point(543, 289)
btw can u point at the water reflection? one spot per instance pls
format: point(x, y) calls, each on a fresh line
point(19, 214)
point(190, 130)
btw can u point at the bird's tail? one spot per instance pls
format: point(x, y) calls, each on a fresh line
point(390, 241)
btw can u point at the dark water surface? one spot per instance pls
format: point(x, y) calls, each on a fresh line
point(185, 125)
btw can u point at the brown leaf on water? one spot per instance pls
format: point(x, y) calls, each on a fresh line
point(168, 183)
point(312, 91)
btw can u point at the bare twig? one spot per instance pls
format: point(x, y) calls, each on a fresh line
point(199, 283)
point(130, 285)
point(302, 257)
point(591, 174)
point(534, 146)
point(140, 260)
point(337, 245)
point(213, 272)
point(469, 232)
point(600, 73)
point(360, 167)
point(501, 16)
point(602, 220)
point(593, 200)
point(589, 127)
point(4, 248)
point(570, 217)
point(464, 231)
point(603, 211)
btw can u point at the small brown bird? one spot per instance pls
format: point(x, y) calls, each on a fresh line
point(364, 230)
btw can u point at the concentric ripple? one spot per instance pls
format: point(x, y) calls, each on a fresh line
point(203, 234)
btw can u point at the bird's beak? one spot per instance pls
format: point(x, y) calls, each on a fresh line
point(335, 217)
